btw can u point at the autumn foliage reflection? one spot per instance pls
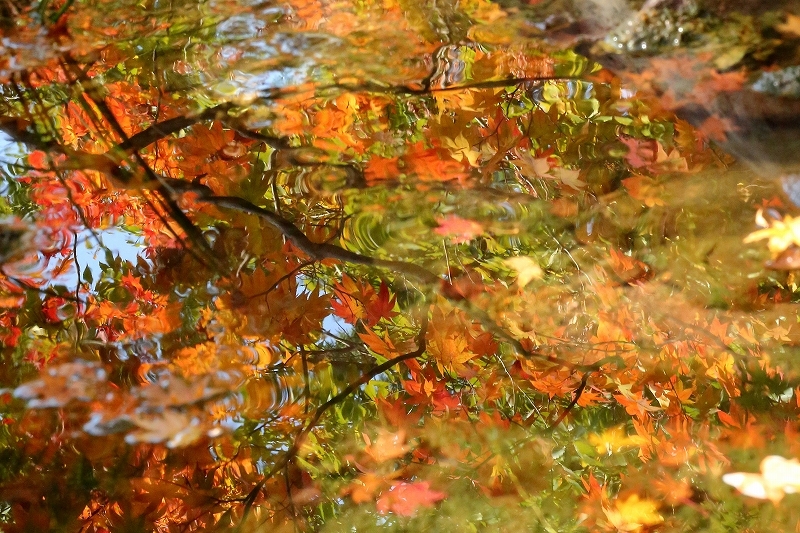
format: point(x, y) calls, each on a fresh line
point(460, 290)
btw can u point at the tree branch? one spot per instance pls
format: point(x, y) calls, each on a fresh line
point(365, 378)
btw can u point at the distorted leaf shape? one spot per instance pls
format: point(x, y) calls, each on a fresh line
point(458, 230)
point(788, 259)
point(16, 239)
point(405, 498)
point(388, 445)
point(791, 27)
point(233, 150)
point(545, 168)
point(364, 487)
point(61, 384)
point(779, 476)
point(462, 149)
point(633, 514)
point(644, 189)
point(781, 233)
point(176, 428)
point(527, 269)
point(173, 391)
point(613, 440)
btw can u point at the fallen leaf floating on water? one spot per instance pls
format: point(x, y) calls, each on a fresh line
point(781, 233)
point(779, 476)
point(545, 168)
point(176, 428)
point(791, 27)
point(527, 269)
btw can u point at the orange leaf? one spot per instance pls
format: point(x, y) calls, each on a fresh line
point(728, 420)
point(388, 445)
point(380, 346)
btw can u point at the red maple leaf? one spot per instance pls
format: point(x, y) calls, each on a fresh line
point(641, 152)
point(404, 498)
point(381, 306)
point(459, 230)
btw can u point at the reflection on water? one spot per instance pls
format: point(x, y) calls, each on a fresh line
point(391, 265)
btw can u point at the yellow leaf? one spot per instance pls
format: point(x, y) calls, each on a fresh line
point(781, 234)
point(450, 352)
point(791, 27)
point(613, 440)
point(527, 269)
point(463, 149)
point(633, 514)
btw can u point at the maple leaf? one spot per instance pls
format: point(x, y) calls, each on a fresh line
point(527, 269)
point(381, 306)
point(388, 445)
point(450, 352)
point(636, 406)
point(728, 420)
point(544, 168)
point(364, 487)
point(641, 153)
point(781, 233)
point(383, 346)
point(673, 491)
point(348, 304)
point(177, 428)
point(719, 329)
point(359, 301)
point(716, 129)
point(633, 514)
point(613, 440)
point(628, 269)
point(591, 396)
point(644, 189)
point(433, 164)
point(554, 384)
point(404, 498)
point(483, 344)
point(463, 149)
point(459, 230)
point(726, 81)
point(132, 283)
point(568, 177)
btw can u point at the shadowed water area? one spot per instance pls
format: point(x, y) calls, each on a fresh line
point(390, 265)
